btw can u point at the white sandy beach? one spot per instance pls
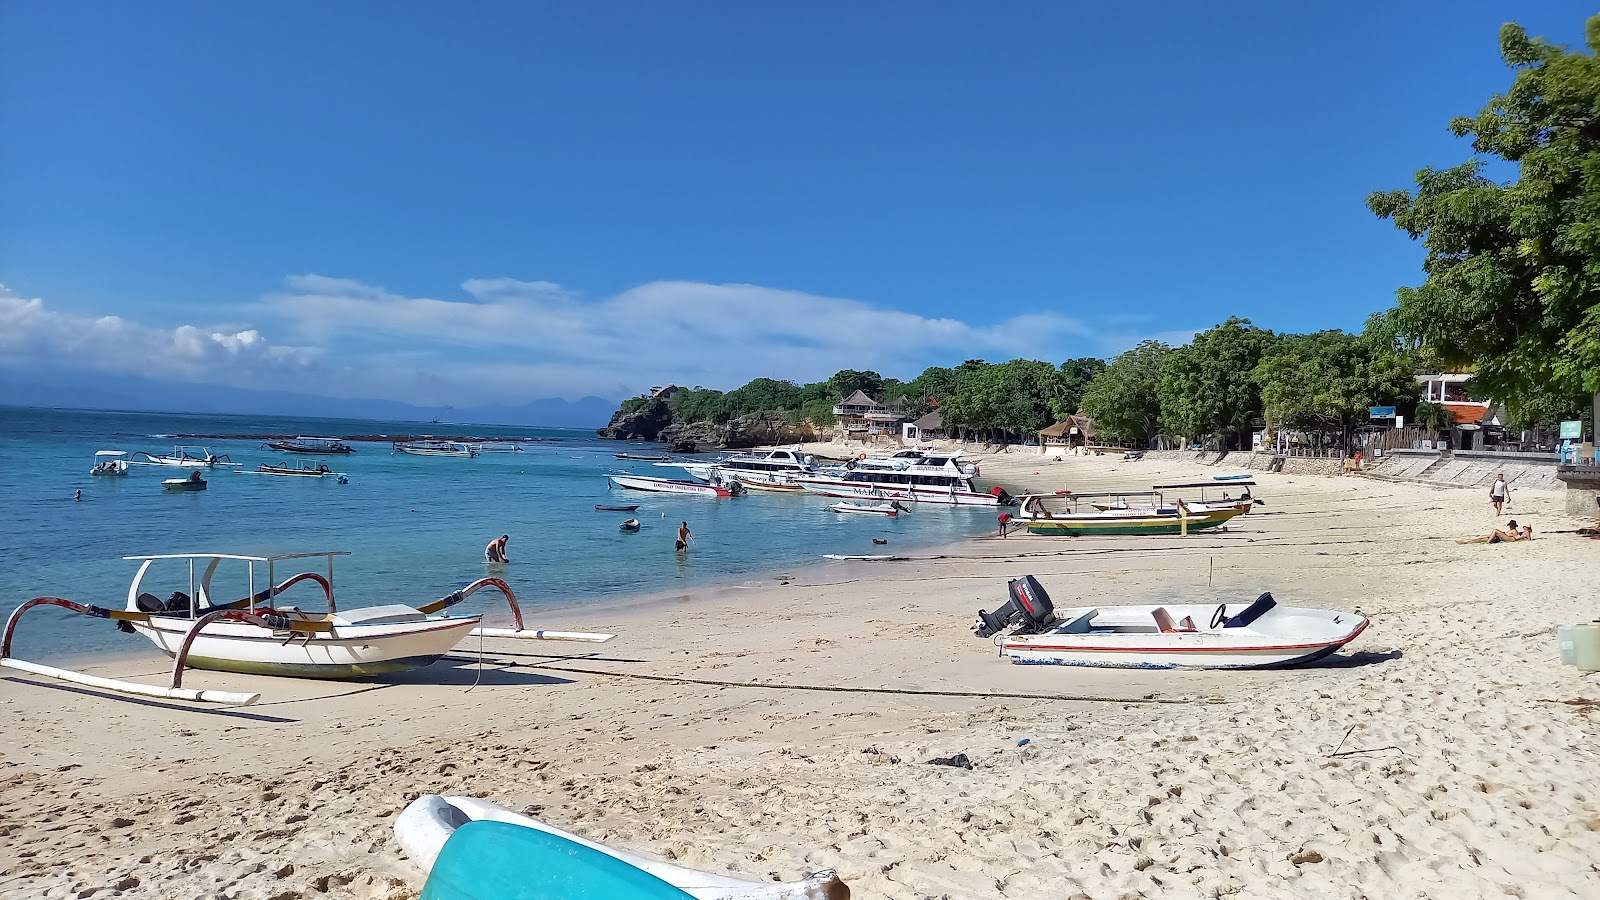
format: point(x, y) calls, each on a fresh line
point(689, 736)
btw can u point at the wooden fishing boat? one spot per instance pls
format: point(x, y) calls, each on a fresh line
point(185, 485)
point(1115, 513)
point(1235, 493)
point(303, 469)
point(601, 508)
point(110, 462)
point(649, 457)
point(181, 458)
point(317, 445)
point(1226, 636)
point(259, 636)
point(434, 448)
point(473, 849)
point(669, 486)
point(878, 509)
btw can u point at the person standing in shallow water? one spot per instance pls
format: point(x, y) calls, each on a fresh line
point(684, 537)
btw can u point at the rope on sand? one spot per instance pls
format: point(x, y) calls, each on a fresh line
point(981, 695)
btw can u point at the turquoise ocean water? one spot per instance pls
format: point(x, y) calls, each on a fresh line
point(415, 526)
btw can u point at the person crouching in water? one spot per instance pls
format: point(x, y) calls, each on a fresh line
point(495, 552)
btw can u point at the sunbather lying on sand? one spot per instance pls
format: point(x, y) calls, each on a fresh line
point(1510, 534)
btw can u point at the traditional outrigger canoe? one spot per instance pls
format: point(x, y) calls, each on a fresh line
point(877, 509)
point(477, 850)
point(1247, 635)
point(303, 469)
point(181, 458)
point(257, 636)
point(671, 486)
point(1111, 513)
point(315, 445)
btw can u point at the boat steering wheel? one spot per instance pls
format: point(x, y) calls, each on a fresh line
point(1220, 616)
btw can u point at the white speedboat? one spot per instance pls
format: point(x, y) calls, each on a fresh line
point(1226, 636)
point(317, 445)
point(430, 822)
point(923, 477)
point(768, 466)
point(110, 462)
point(259, 635)
point(435, 448)
point(876, 509)
point(670, 486)
point(181, 457)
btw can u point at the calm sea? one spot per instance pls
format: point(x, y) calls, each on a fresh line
point(415, 526)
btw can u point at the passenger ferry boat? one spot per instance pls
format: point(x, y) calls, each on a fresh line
point(771, 468)
point(921, 477)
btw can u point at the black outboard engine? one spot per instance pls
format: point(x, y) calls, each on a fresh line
point(1029, 610)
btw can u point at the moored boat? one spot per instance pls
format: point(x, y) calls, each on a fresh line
point(110, 462)
point(939, 478)
point(474, 849)
point(435, 448)
point(669, 486)
point(878, 509)
point(181, 457)
point(600, 507)
point(185, 485)
point(256, 636)
point(648, 457)
point(317, 445)
point(779, 466)
point(304, 469)
point(1226, 636)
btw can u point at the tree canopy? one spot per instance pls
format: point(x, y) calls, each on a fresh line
point(1123, 400)
point(1207, 387)
point(1513, 270)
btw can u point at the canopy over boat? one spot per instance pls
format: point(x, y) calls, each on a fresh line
point(111, 453)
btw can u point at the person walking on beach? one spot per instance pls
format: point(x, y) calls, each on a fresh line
point(1499, 492)
point(685, 536)
point(495, 552)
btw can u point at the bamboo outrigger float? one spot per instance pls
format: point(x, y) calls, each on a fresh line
point(256, 636)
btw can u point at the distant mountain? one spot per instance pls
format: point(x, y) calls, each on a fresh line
point(77, 390)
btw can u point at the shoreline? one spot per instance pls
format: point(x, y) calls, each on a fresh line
point(772, 729)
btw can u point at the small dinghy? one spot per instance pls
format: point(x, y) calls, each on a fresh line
point(629, 526)
point(602, 508)
point(185, 485)
point(1247, 636)
point(875, 509)
point(476, 850)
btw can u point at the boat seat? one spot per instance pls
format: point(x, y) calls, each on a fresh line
point(1252, 612)
point(1164, 622)
point(1079, 625)
point(379, 615)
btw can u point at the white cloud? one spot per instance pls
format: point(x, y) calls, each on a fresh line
point(509, 341)
point(688, 332)
point(31, 333)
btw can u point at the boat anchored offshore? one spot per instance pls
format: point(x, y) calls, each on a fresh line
point(435, 448)
point(302, 469)
point(880, 509)
point(321, 446)
point(258, 636)
point(669, 486)
point(110, 462)
point(768, 470)
point(1251, 635)
point(182, 458)
point(923, 477)
point(473, 849)
point(185, 485)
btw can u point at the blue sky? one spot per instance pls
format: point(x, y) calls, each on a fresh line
point(494, 201)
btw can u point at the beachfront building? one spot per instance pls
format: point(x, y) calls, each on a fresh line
point(928, 428)
point(1473, 423)
point(1075, 431)
point(858, 417)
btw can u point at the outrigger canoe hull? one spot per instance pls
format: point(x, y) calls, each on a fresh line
point(1129, 522)
point(347, 651)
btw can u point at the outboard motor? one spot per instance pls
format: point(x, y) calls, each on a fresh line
point(1029, 610)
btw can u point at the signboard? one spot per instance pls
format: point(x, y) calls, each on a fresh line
point(1382, 412)
point(1571, 431)
point(1399, 421)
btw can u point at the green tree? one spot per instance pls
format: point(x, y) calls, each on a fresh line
point(1513, 270)
point(1072, 379)
point(1326, 381)
point(1207, 388)
point(1122, 400)
point(847, 381)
